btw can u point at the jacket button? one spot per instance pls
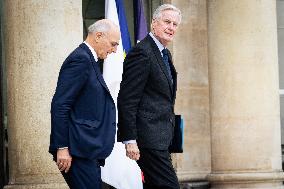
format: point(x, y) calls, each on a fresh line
point(171, 120)
point(113, 123)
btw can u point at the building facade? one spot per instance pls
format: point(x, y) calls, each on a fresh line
point(229, 55)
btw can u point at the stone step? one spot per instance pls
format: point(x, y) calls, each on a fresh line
point(195, 185)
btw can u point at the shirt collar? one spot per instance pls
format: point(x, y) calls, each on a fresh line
point(158, 43)
point(92, 51)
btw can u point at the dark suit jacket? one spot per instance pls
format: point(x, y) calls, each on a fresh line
point(146, 98)
point(82, 109)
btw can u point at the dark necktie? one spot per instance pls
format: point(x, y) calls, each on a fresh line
point(166, 62)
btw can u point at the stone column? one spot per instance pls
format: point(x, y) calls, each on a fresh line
point(38, 37)
point(189, 50)
point(244, 96)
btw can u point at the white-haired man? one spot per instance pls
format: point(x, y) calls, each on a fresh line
point(146, 101)
point(82, 110)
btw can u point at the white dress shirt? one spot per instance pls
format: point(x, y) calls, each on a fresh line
point(92, 50)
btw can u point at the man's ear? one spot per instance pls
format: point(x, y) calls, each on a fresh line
point(98, 36)
point(153, 24)
point(153, 27)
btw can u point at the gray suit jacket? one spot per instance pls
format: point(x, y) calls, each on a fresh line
point(146, 98)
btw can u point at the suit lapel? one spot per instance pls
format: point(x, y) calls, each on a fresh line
point(96, 67)
point(160, 61)
point(174, 75)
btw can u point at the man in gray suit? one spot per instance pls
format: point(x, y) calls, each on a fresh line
point(146, 101)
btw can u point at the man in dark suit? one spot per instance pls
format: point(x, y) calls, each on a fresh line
point(83, 118)
point(146, 101)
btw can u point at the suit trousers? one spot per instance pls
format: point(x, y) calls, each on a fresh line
point(157, 169)
point(83, 174)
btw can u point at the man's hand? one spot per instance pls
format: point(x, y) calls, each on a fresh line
point(63, 160)
point(132, 151)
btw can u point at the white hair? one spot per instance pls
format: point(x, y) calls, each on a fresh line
point(103, 25)
point(158, 12)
